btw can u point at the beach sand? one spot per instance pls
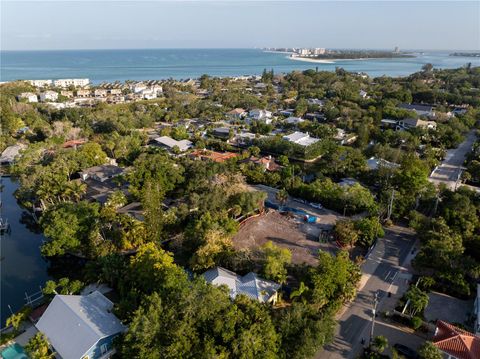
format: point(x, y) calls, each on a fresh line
point(318, 61)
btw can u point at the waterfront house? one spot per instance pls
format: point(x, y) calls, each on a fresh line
point(170, 143)
point(29, 96)
point(10, 153)
point(71, 82)
point(456, 343)
point(420, 110)
point(301, 138)
point(81, 326)
point(48, 96)
point(250, 285)
point(40, 83)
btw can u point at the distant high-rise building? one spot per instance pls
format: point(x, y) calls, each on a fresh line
point(397, 50)
point(319, 51)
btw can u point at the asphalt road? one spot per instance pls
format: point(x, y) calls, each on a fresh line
point(450, 170)
point(380, 270)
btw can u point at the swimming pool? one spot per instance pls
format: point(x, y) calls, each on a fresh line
point(14, 351)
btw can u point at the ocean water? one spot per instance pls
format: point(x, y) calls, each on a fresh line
point(112, 65)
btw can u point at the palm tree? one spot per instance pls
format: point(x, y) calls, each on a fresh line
point(297, 293)
point(380, 343)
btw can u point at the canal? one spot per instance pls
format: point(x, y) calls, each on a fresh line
point(22, 267)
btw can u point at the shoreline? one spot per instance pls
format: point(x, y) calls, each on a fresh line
point(332, 61)
point(306, 59)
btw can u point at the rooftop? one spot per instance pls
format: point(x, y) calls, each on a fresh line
point(74, 323)
point(456, 342)
point(250, 285)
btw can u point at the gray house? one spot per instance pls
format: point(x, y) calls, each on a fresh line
point(81, 326)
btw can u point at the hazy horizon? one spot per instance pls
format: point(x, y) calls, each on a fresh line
point(125, 25)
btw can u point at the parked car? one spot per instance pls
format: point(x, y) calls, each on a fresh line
point(316, 205)
point(406, 351)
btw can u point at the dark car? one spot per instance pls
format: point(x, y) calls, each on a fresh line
point(406, 351)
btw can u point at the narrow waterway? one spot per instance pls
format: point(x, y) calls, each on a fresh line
point(22, 267)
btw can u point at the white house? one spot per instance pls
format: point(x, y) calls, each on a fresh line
point(363, 94)
point(301, 138)
point(29, 96)
point(250, 284)
point(100, 93)
point(261, 115)
point(115, 91)
point(40, 83)
point(48, 96)
point(148, 94)
point(169, 143)
point(138, 87)
point(81, 326)
point(71, 82)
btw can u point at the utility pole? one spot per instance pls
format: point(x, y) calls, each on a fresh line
point(390, 204)
point(374, 312)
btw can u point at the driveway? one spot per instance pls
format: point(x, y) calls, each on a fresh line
point(450, 170)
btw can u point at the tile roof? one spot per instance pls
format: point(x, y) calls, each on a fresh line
point(456, 342)
point(212, 155)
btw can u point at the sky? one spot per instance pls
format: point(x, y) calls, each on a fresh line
point(429, 25)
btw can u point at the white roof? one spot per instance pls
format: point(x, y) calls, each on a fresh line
point(169, 142)
point(293, 119)
point(74, 323)
point(301, 138)
point(250, 285)
point(9, 154)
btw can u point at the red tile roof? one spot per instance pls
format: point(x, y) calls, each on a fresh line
point(456, 342)
point(212, 155)
point(73, 143)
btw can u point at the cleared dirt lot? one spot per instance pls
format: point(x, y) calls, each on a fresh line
point(285, 232)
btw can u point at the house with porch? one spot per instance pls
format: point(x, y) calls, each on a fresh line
point(81, 326)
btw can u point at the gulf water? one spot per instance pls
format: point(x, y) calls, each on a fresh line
point(121, 65)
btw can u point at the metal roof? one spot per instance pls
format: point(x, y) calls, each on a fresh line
point(74, 323)
point(250, 285)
